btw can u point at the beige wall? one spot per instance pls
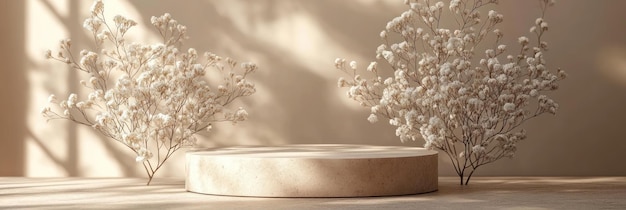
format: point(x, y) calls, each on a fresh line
point(295, 43)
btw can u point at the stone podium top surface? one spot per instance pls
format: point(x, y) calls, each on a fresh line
point(317, 151)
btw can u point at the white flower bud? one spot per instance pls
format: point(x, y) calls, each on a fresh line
point(81, 105)
point(48, 54)
point(478, 149)
point(508, 107)
point(341, 82)
point(383, 34)
point(353, 65)
point(339, 63)
point(501, 48)
point(45, 110)
point(52, 99)
point(523, 40)
point(372, 118)
point(372, 66)
point(544, 26)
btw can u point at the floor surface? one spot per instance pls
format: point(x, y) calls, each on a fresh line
point(482, 193)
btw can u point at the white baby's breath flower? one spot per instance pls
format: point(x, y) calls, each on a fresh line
point(383, 34)
point(492, 14)
point(48, 54)
point(439, 5)
point(149, 94)
point(523, 40)
point(339, 63)
point(342, 82)
point(241, 114)
point(478, 149)
point(508, 107)
point(81, 105)
point(372, 66)
point(455, 6)
point(353, 65)
point(502, 78)
point(71, 101)
point(388, 55)
point(372, 118)
point(538, 21)
point(45, 110)
point(544, 26)
point(434, 89)
point(143, 155)
point(52, 99)
point(97, 7)
point(501, 48)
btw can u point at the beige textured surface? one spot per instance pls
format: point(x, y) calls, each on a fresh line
point(330, 170)
point(482, 193)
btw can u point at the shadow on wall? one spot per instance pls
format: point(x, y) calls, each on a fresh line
point(13, 89)
point(69, 162)
point(297, 100)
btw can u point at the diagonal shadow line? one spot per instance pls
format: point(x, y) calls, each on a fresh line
point(226, 26)
point(128, 169)
point(48, 152)
point(70, 164)
point(54, 12)
point(122, 159)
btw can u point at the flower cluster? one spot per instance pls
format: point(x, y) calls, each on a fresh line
point(152, 98)
point(465, 104)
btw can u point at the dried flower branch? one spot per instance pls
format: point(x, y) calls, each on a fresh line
point(468, 107)
point(151, 98)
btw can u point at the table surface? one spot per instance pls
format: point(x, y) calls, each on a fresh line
point(169, 193)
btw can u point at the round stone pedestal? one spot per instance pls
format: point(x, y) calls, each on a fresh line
point(329, 170)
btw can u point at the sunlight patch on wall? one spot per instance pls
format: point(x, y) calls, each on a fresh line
point(612, 62)
point(45, 148)
point(59, 148)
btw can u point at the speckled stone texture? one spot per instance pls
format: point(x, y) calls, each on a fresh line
point(329, 170)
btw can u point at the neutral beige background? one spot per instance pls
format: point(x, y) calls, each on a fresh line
point(295, 43)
